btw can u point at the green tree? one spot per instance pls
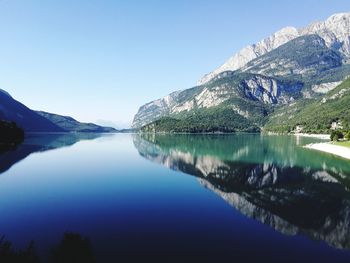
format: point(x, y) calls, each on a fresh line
point(336, 135)
point(347, 135)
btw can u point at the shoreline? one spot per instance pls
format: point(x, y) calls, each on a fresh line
point(314, 135)
point(330, 148)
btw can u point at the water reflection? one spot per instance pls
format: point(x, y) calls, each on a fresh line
point(268, 178)
point(39, 143)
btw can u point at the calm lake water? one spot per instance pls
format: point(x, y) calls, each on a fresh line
point(178, 198)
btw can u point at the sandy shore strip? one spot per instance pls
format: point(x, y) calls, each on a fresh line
point(319, 136)
point(330, 148)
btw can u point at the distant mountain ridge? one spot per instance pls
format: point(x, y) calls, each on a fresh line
point(289, 66)
point(35, 121)
point(69, 124)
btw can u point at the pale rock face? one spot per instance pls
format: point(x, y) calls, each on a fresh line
point(210, 98)
point(264, 89)
point(335, 31)
point(251, 52)
point(240, 112)
point(270, 86)
point(168, 105)
point(187, 106)
point(323, 88)
point(205, 99)
point(155, 109)
point(282, 63)
point(339, 94)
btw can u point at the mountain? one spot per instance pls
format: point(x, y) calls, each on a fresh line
point(27, 119)
point(34, 121)
point(335, 31)
point(69, 124)
point(290, 66)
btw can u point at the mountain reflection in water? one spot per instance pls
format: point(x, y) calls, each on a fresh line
point(40, 143)
point(271, 179)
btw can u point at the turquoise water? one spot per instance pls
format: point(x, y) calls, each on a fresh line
point(179, 198)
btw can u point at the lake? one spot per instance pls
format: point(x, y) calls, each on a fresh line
point(175, 198)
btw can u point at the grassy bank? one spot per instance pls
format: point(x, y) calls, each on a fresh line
point(343, 143)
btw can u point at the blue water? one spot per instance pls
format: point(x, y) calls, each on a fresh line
point(133, 208)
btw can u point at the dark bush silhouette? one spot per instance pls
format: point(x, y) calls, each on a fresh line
point(10, 133)
point(72, 249)
point(9, 255)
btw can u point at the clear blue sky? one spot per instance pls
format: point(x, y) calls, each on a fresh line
point(101, 60)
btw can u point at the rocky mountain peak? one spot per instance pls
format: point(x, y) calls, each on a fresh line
point(335, 31)
point(251, 52)
point(279, 38)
